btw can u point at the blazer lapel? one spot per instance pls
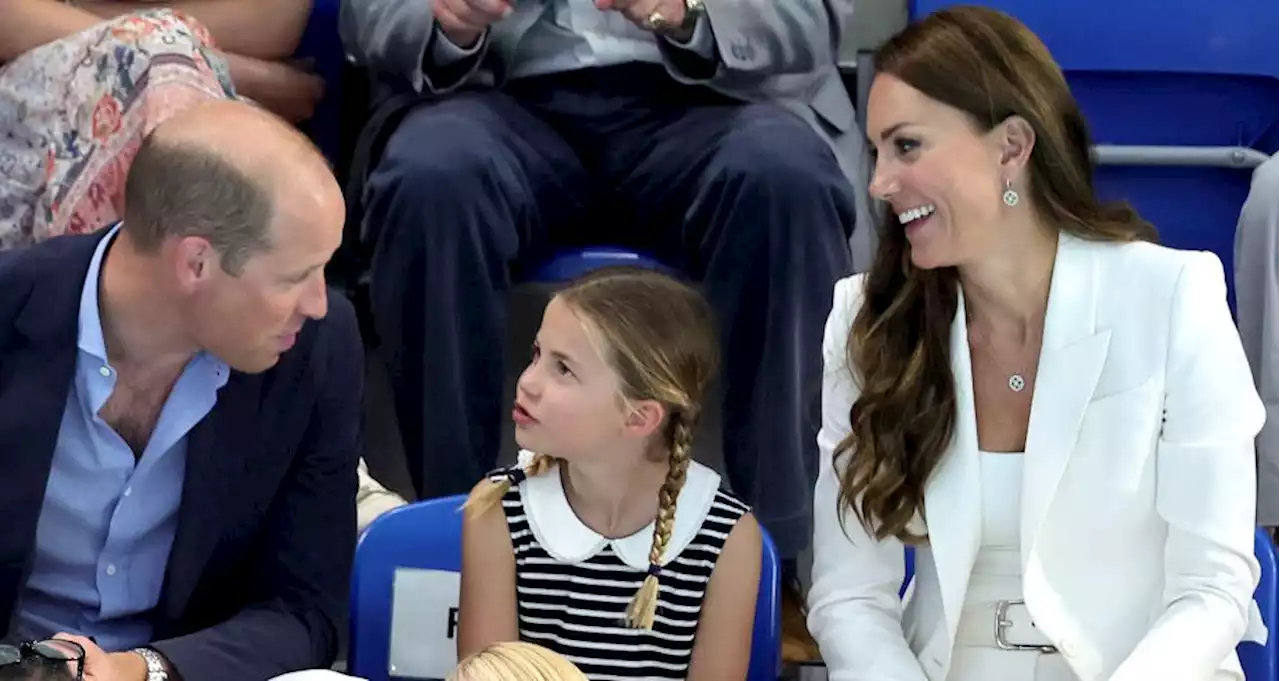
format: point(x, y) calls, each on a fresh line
point(953, 495)
point(35, 382)
point(37, 367)
point(219, 455)
point(1071, 360)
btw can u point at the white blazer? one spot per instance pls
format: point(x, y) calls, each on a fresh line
point(1138, 486)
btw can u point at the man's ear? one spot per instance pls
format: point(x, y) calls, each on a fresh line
point(194, 260)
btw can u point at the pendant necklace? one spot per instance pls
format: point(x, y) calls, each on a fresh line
point(1017, 381)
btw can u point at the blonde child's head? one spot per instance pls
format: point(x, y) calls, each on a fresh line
point(516, 661)
point(656, 337)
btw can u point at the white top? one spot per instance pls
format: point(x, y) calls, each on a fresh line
point(997, 576)
point(1001, 500)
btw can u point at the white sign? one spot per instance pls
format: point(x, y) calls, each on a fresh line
point(315, 675)
point(424, 623)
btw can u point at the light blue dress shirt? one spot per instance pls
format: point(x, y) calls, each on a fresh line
point(108, 519)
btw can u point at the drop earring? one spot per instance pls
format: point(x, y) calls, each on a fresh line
point(1010, 196)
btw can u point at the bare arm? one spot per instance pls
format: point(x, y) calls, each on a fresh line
point(722, 650)
point(28, 24)
point(487, 606)
point(264, 29)
point(282, 89)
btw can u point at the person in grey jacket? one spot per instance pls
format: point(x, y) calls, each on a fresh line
point(717, 136)
point(1257, 285)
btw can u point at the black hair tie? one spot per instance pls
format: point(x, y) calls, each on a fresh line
point(515, 475)
point(655, 570)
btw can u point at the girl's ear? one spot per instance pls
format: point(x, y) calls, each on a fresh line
point(644, 417)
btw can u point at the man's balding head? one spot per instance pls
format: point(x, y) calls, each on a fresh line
point(222, 171)
point(234, 215)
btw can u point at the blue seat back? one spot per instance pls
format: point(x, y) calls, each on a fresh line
point(909, 570)
point(428, 536)
point(1259, 661)
point(1177, 74)
point(766, 632)
point(571, 264)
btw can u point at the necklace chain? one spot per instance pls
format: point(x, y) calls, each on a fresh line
point(1016, 381)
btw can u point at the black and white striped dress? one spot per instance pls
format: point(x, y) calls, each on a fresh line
point(573, 585)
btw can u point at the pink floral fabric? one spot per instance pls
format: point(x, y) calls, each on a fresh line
point(73, 113)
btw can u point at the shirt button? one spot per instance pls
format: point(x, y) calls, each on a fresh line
point(111, 570)
point(105, 371)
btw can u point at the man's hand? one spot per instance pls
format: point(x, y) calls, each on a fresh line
point(464, 21)
point(651, 15)
point(100, 665)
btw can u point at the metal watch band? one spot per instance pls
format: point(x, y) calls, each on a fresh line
point(156, 670)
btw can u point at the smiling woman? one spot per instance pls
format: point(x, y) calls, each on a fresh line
point(1054, 411)
point(953, 160)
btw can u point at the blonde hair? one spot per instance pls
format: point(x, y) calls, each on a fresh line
point(516, 661)
point(658, 334)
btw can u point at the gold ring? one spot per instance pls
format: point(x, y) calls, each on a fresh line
point(655, 21)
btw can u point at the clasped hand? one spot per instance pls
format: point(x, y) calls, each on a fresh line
point(463, 21)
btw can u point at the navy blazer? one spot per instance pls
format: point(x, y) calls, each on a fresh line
point(257, 580)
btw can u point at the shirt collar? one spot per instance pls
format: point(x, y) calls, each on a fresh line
point(90, 336)
point(91, 339)
point(566, 538)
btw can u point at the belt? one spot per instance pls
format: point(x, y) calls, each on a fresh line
point(1005, 625)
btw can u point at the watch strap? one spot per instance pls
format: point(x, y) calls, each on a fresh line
point(156, 668)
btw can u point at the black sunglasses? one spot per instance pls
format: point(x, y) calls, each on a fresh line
point(52, 650)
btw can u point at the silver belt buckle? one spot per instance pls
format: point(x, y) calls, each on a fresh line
point(1003, 623)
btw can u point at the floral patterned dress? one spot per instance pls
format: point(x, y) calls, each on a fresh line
point(73, 113)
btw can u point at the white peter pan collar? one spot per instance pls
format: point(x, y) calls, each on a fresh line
point(563, 535)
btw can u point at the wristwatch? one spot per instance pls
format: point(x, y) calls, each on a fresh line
point(156, 668)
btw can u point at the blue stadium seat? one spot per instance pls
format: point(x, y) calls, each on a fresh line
point(1259, 661)
point(427, 536)
point(1173, 76)
point(766, 631)
point(909, 571)
point(571, 264)
point(412, 544)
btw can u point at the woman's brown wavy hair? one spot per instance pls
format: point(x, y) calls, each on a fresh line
point(988, 65)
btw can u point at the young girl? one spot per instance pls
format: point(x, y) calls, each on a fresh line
point(516, 661)
point(609, 545)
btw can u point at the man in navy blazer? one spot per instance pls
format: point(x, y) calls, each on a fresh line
point(180, 414)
